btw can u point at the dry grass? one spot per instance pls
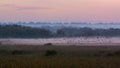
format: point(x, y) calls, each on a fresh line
point(58, 62)
point(67, 57)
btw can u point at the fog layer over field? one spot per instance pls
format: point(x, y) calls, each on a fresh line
point(64, 41)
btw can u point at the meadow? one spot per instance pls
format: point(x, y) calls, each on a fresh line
point(51, 56)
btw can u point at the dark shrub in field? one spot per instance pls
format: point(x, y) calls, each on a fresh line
point(21, 52)
point(48, 44)
point(110, 54)
point(50, 53)
point(17, 52)
point(117, 53)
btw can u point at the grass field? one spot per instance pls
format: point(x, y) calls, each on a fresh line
point(24, 56)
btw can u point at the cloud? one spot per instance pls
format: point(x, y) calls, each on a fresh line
point(24, 7)
point(8, 5)
point(31, 8)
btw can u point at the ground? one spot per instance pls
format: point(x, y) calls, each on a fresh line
point(31, 56)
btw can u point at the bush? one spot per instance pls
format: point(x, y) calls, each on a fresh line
point(50, 53)
point(48, 44)
point(109, 54)
point(117, 53)
point(17, 52)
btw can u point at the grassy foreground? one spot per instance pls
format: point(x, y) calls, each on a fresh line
point(58, 62)
point(21, 56)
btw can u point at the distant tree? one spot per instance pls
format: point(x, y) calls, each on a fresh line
point(17, 31)
point(60, 33)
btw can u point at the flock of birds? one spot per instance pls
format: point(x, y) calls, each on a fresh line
point(64, 41)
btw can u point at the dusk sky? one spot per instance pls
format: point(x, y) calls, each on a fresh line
point(60, 10)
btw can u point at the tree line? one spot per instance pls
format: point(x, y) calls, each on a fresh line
point(18, 31)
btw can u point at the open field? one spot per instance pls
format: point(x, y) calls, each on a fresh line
point(59, 62)
point(69, 51)
point(24, 56)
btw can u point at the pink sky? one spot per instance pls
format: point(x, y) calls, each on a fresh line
point(60, 10)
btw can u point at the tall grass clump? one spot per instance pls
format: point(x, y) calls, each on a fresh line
point(50, 53)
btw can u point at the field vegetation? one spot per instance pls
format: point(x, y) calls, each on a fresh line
point(51, 56)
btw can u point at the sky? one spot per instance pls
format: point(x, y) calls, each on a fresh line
point(60, 10)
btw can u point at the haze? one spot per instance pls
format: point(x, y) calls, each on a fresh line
point(60, 10)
